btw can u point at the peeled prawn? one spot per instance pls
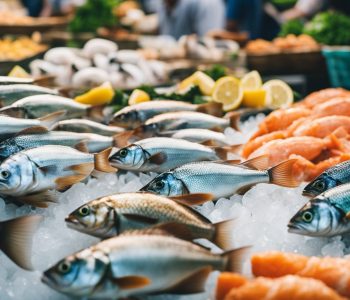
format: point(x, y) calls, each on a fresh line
point(339, 106)
point(322, 96)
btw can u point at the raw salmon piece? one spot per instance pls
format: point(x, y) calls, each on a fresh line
point(226, 282)
point(284, 288)
point(334, 272)
point(322, 96)
point(339, 106)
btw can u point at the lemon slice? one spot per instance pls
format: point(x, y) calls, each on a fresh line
point(228, 91)
point(254, 99)
point(251, 81)
point(202, 80)
point(278, 94)
point(19, 72)
point(100, 95)
point(138, 96)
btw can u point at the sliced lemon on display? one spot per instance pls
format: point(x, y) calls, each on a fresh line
point(202, 80)
point(100, 95)
point(254, 99)
point(228, 91)
point(251, 81)
point(138, 96)
point(278, 94)
point(19, 72)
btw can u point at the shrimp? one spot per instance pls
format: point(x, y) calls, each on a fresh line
point(334, 272)
point(287, 287)
point(339, 106)
point(322, 96)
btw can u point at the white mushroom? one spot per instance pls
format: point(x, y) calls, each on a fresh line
point(102, 46)
point(61, 55)
point(90, 77)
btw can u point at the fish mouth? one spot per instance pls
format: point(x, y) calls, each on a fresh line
point(308, 194)
point(70, 220)
point(48, 280)
point(293, 228)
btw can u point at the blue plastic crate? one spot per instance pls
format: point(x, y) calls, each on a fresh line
point(338, 63)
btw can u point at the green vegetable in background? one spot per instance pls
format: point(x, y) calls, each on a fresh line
point(94, 14)
point(216, 72)
point(292, 27)
point(330, 28)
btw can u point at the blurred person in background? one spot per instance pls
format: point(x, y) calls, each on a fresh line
point(183, 17)
point(47, 8)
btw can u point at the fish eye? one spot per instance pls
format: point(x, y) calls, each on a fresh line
point(320, 185)
point(307, 216)
point(64, 267)
point(160, 184)
point(84, 211)
point(123, 153)
point(5, 174)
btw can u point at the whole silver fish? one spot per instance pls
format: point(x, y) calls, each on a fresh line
point(330, 178)
point(11, 93)
point(10, 126)
point(326, 215)
point(29, 173)
point(88, 142)
point(138, 264)
point(41, 105)
point(160, 154)
point(133, 116)
point(170, 122)
point(220, 179)
point(87, 126)
point(197, 135)
point(110, 216)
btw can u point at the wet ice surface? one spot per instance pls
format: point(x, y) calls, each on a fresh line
point(262, 217)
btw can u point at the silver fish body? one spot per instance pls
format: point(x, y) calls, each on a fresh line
point(326, 215)
point(133, 265)
point(160, 154)
point(133, 116)
point(40, 105)
point(87, 126)
point(201, 135)
point(7, 80)
point(11, 93)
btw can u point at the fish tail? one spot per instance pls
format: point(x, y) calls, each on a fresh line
point(50, 120)
point(102, 162)
point(283, 175)
point(235, 119)
point(223, 236)
point(16, 239)
point(235, 259)
point(222, 152)
point(212, 108)
point(96, 113)
point(121, 140)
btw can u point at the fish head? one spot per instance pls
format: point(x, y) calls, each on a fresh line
point(77, 275)
point(7, 149)
point(316, 218)
point(10, 175)
point(130, 119)
point(166, 184)
point(321, 184)
point(95, 218)
point(130, 157)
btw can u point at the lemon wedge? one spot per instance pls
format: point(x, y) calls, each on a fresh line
point(251, 81)
point(202, 80)
point(254, 99)
point(228, 91)
point(100, 95)
point(138, 96)
point(19, 72)
point(278, 94)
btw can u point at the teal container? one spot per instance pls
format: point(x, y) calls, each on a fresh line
point(338, 64)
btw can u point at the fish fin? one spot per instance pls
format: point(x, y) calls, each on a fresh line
point(158, 158)
point(282, 174)
point(51, 119)
point(193, 199)
point(66, 91)
point(257, 163)
point(193, 284)
point(140, 219)
point(241, 191)
point(131, 282)
point(82, 147)
point(223, 151)
point(62, 183)
point(96, 112)
point(180, 231)
point(347, 216)
point(121, 140)
point(211, 108)
point(45, 80)
point(102, 162)
point(82, 169)
point(17, 238)
point(223, 234)
point(33, 130)
point(41, 200)
point(235, 119)
point(235, 258)
point(232, 162)
point(209, 143)
point(12, 111)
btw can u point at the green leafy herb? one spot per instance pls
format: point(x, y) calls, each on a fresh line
point(292, 27)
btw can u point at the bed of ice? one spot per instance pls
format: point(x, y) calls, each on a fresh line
point(262, 217)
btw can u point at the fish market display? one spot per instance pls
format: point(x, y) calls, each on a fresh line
point(128, 265)
point(160, 154)
point(227, 179)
